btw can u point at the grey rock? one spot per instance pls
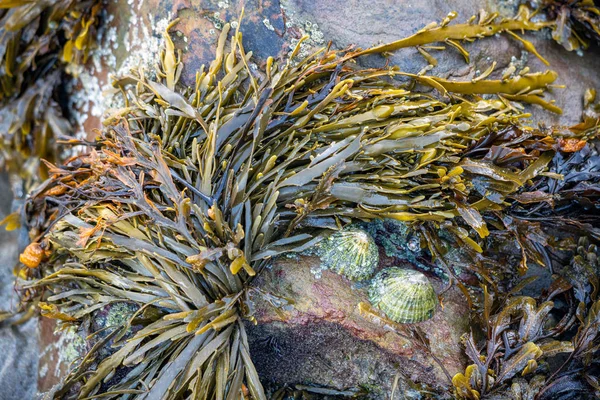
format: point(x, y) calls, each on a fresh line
point(18, 344)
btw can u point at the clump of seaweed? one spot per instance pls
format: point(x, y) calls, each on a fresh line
point(546, 347)
point(576, 23)
point(188, 192)
point(40, 40)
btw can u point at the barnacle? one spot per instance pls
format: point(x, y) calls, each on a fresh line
point(404, 295)
point(350, 252)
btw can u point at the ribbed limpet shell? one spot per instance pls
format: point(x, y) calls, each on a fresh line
point(404, 295)
point(350, 252)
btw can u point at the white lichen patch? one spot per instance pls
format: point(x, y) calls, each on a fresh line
point(72, 347)
point(90, 91)
point(145, 45)
point(85, 100)
point(69, 347)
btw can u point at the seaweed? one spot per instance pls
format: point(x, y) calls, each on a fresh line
point(575, 23)
point(187, 193)
point(485, 25)
point(41, 40)
point(525, 340)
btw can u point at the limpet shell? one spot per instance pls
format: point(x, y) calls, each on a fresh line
point(350, 252)
point(404, 295)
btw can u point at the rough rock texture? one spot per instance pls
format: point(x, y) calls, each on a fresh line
point(18, 344)
point(324, 355)
point(323, 338)
point(58, 350)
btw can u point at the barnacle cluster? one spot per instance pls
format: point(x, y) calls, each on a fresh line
point(189, 192)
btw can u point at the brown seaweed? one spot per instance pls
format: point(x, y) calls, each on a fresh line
point(40, 40)
point(188, 193)
point(576, 23)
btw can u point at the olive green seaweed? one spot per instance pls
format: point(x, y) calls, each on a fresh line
point(40, 40)
point(187, 193)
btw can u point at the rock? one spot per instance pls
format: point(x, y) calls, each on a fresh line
point(19, 365)
point(18, 344)
point(60, 349)
point(322, 337)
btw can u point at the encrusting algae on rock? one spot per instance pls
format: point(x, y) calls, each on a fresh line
point(189, 192)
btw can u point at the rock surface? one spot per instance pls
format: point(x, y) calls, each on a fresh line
point(322, 337)
point(18, 344)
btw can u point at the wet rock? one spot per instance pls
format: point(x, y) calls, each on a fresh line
point(322, 337)
point(18, 365)
point(18, 344)
point(324, 355)
point(60, 349)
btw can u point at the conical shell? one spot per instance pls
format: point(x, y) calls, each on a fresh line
point(352, 253)
point(404, 295)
